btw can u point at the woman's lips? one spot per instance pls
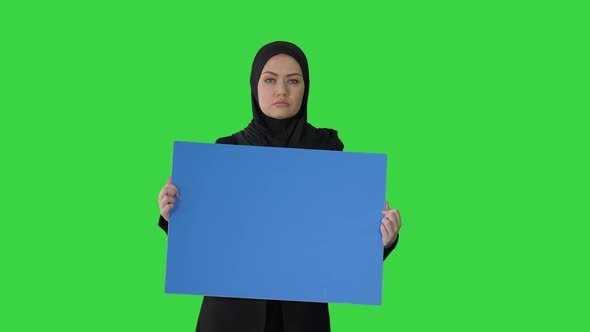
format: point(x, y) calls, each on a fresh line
point(281, 104)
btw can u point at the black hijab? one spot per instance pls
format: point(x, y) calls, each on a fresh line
point(295, 131)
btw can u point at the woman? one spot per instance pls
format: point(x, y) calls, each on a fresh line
point(279, 83)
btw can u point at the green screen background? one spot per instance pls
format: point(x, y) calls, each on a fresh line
point(481, 107)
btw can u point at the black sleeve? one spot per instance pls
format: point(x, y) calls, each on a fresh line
point(387, 251)
point(163, 224)
point(226, 140)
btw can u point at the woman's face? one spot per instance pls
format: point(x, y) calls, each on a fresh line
point(281, 87)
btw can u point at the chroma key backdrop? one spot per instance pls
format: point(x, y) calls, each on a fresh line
point(481, 107)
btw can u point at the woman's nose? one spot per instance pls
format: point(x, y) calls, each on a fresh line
point(282, 89)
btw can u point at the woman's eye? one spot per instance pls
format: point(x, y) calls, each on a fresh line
point(293, 81)
point(269, 80)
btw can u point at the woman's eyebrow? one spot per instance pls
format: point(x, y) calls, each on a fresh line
point(270, 72)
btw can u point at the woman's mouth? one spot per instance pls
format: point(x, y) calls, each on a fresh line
point(281, 104)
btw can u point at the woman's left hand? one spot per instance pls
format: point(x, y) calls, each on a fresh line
point(390, 225)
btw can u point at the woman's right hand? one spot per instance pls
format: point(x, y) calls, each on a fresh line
point(167, 198)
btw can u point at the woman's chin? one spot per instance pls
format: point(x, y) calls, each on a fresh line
point(281, 114)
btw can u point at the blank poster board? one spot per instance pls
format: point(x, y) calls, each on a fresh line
point(276, 223)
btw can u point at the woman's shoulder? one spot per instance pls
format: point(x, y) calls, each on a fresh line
point(226, 140)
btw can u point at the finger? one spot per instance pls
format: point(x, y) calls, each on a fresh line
point(389, 226)
point(164, 189)
point(165, 212)
point(399, 218)
point(393, 217)
point(384, 234)
point(163, 193)
point(168, 191)
point(386, 205)
point(172, 187)
point(390, 216)
point(166, 200)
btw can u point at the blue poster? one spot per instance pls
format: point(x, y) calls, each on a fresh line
point(276, 223)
